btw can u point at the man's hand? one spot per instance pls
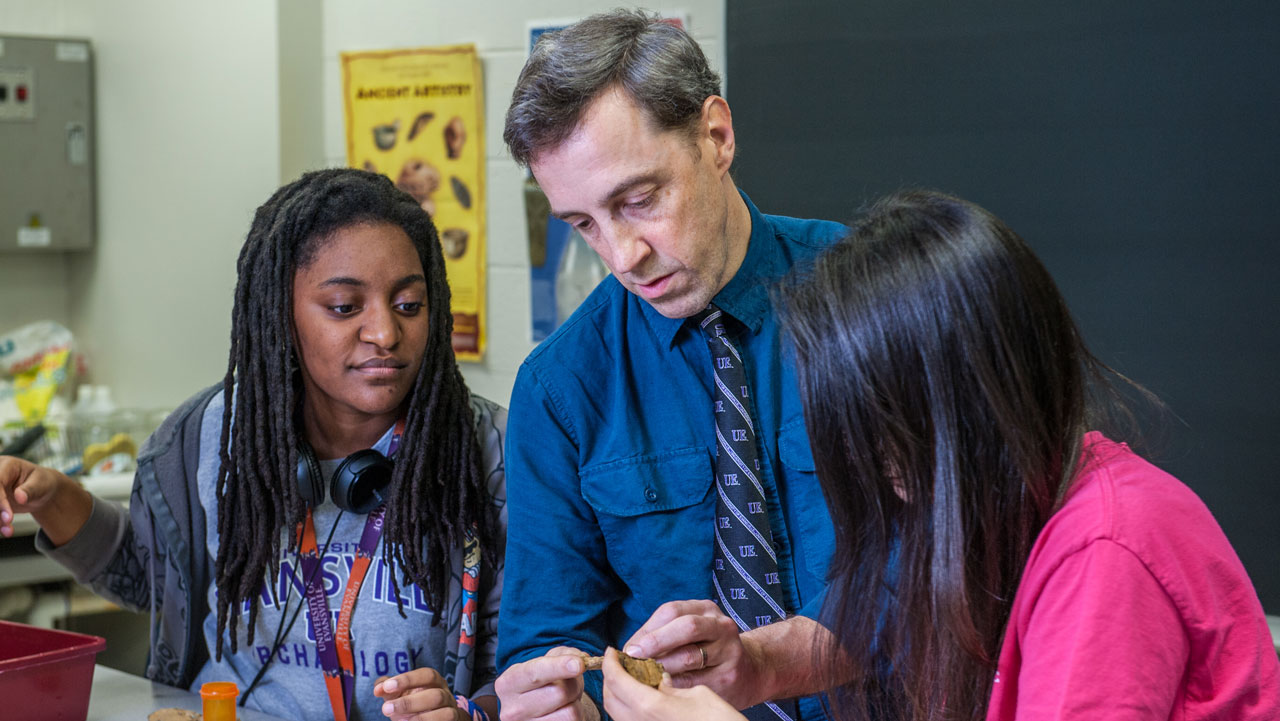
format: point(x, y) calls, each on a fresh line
point(698, 644)
point(59, 504)
point(626, 699)
point(547, 688)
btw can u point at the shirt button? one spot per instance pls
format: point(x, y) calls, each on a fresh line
point(650, 495)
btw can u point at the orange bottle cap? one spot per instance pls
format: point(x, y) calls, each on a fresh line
point(219, 689)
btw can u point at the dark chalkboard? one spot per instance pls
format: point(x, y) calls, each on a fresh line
point(1135, 145)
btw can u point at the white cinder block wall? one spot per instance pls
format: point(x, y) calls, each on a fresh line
point(187, 145)
point(499, 31)
point(202, 110)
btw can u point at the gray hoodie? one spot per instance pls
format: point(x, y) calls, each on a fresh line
point(154, 555)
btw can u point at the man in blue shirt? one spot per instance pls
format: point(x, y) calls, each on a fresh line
point(612, 442)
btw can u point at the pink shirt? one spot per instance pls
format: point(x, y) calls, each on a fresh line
point(1133, 605)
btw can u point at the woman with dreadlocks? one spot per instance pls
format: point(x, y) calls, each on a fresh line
point(341, 466)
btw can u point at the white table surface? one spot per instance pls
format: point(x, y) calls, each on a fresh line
point(118, 696)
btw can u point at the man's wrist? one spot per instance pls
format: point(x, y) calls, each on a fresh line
point(783, 660)
point(762, 676)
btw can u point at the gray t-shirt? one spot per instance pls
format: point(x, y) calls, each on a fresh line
point(383, 643)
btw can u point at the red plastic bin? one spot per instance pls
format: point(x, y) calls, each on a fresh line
point(45, 675)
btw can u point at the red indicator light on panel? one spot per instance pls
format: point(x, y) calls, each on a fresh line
point(20, 93)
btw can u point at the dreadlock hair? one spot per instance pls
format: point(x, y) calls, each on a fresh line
point(437, 493)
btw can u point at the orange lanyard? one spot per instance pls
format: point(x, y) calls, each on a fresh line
point(334, 650)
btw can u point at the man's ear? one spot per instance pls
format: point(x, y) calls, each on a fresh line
point(717, 126)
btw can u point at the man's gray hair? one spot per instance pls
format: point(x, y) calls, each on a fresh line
point(657, 64)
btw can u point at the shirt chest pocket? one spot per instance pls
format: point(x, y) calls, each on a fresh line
point(657, 517)
point(815, 538)
point(793, 447)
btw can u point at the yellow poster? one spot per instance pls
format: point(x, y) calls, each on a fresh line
point(416, 116)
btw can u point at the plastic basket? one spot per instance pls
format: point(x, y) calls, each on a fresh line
point(45, 675)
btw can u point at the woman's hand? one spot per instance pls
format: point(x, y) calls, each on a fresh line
point(548, 686)
point(420, 694)
point(59, 504)
point(626, 699)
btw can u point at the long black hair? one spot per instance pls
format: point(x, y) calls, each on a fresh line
point(437, 492)
point(946, 390)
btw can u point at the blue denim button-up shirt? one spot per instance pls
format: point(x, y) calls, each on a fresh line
point(610, 453)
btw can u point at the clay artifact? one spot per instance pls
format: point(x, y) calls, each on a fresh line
point(645, 670)
point(419, 123)
point(460, 192)
point(454, 242)
point(384, 136)
point(455, 136)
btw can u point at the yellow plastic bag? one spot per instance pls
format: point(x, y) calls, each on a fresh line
point(35, 361)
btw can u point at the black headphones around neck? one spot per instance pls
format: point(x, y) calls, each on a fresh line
point(356, 486)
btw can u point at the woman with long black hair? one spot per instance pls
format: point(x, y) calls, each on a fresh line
point(341, 465)
point(997, 556)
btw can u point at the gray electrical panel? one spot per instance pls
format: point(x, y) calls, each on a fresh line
point(46, 144)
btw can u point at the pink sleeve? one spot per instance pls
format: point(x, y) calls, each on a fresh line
point(1103, 640)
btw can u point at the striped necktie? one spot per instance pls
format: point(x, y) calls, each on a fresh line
point(745, 573)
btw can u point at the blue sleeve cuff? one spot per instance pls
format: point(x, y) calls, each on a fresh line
point(813, 609)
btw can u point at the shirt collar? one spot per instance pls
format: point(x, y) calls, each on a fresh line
point(746, 295)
